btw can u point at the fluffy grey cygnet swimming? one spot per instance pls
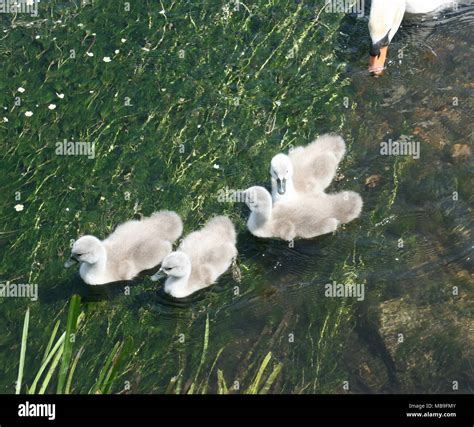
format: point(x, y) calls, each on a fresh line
point(303, 216)
point(306, 169)
point(134, 246)
point(201, 258)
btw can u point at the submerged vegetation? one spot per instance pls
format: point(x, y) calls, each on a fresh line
point(177, 101)
point(58, 361)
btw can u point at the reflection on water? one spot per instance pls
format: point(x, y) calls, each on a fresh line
point(410, 248)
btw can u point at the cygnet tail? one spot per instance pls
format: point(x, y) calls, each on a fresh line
point(347, 206)
point(168, 224)
point(224, 228)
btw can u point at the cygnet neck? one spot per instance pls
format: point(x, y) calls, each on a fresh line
point(289, 193)
point(176, 286)
point(97, 271)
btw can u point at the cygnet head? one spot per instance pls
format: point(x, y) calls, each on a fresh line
point(281, 171)
point(258, 199)
point(176, 264)
point(88, 249)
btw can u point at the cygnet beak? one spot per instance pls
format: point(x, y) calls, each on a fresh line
point(281, 186)
point(158, 275)
point(71, 261)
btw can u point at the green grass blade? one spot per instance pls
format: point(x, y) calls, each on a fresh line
point(221, 385)
point(51, 340)
point(103, 372)
point(203, 356)
point(179, 385)
point(204, 388)
point(58, 344)
point(172, 384)
point(253, 389)
point(108, 373)
point(67, 390)
point(24, 339)
point(51, 370)
point(73, 314)
point(111, 374)
point(272, 377)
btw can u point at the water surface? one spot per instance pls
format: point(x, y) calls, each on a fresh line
point(197, 98)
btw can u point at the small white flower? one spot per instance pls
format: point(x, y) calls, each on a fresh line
point(60, 95)
point(37, 37)
point(19, 207)
point(89, 54)
point(117, 51)
point(216, 166)
point(21, 89)
point(91, 91)
point(29, 113)
point(162, 11)
point(5, 120)
point(123, 40)
point(107, 59)
point(80, 25)
point(52, 106)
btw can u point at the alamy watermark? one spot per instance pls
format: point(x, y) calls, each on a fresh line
point(345, 290)
point(345, 6)
point(45, 410)
point(29, 7)
point(226, 195)
point(75, 148)
point(19, 290)
point(404, 147)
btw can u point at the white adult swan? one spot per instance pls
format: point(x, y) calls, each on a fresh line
point(385, 19)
